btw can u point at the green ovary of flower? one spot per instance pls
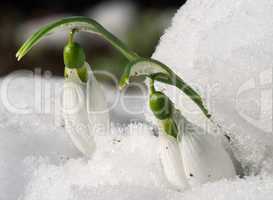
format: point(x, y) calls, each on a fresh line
point(74, 56)
point(160, 105)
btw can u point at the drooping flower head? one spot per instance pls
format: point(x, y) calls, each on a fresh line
point(84, 104)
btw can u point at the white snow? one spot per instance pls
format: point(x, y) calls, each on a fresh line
point(224, 50)
point(225, 46)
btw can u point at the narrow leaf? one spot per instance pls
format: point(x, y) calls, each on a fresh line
point(80, 24)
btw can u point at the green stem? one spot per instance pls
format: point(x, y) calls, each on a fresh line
point(71, 36)
point(189, 91)
point(160, 72)
point(115, 42)
point(79, 24)
point(152, 87)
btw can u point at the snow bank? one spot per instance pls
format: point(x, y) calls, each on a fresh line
point(224, 50)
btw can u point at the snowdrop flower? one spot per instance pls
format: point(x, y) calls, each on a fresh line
point(188, 154)
point(84, 109)
point(204, 157)
point(170, 156)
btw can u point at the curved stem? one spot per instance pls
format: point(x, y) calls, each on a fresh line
point(160, 72)
point(79, 24)
point(189, 91)
point(115, 42)
point(71, 35)
point(152, 87)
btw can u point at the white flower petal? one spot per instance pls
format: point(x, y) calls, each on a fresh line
point(98, 113)
point(172, 162)
point(75, 114)
point(85, 110)
point(204, 157)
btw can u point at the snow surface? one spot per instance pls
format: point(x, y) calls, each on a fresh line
point(223, 42)
point(224, 50)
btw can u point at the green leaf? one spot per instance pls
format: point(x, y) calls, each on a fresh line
point(160, 72)
point(80, 24)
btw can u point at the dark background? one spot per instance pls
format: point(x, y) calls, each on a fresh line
point(30, 8)
point(141, 35)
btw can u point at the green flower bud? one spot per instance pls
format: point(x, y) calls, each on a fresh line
point(74, 56)
point(160, 105)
